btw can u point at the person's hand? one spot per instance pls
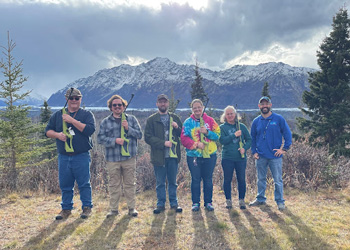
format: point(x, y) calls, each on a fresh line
point(174, 124)
point(168, 144)
point(119, 141)
point(67, 118)
point(238, 133)
point(279, 152)
point(61, 136)
point(200, 145)
point(241, 150)
point(125, 124)
point(203, 130)
point(256, 156)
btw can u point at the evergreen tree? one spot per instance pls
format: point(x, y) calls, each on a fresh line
point(45, 113)
point(328, 102)
point(172, 102)
point(18, 135)
point(265, 90)
point(197, 91)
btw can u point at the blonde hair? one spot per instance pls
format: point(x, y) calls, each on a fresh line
point(196, 100)
point(223, 116)
point(109, 102)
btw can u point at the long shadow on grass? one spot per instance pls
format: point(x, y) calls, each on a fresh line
point(45, 233)
point(304, 238)
point(155, 236)
point(201, 234)
point(215, 231)
point(265, 240)
point(56, 239)
point(100, 235)
point(169, 236)
point(247, 239)
point(116, 234)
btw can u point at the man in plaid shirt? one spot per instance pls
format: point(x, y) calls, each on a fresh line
point(120, 167)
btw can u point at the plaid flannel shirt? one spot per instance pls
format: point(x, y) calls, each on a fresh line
point(110, 130)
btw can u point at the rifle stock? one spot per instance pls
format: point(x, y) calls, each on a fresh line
point(205, 151)
point(125, 146)
point(172, 150)
point(240, 137)
point(68, 147)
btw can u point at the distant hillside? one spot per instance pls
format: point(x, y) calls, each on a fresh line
point(241, 85)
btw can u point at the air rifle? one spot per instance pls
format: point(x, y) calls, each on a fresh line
point(125, 146)
point(69, 136)
point(172, 150)
point(240, 137)
point(205, 151)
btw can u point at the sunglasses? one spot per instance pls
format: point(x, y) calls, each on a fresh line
point(117, 104)
point(77, 98)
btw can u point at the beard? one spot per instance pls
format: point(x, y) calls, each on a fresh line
point(265, 110)
point(162, 109)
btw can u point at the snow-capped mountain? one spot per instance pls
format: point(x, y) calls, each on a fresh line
point(239, 85)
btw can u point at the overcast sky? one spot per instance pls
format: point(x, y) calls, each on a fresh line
point(61, 41)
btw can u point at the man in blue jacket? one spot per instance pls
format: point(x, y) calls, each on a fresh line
point(267, 132)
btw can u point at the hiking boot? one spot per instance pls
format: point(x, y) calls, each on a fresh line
point(176, 208)
point(241, 204)
point(281, 206)
point(64, 214)
point(158, 210)
point(228, 204)
point(112, 213)
point(255, 203)
point(195, 207)
point(209, 207)
point(86, 212)
point(133, 212)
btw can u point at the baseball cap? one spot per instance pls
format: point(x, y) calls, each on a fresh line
point(162, 96)
point(75, 92)
point(264, 98)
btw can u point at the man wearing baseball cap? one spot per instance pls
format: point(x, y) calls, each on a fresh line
point(165, 166)
point(73, 147)
point(267, 132)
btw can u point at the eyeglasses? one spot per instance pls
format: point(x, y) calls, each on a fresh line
point(77, 98)
point(117, 104)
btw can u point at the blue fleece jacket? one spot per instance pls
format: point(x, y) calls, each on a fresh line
point(267, 135)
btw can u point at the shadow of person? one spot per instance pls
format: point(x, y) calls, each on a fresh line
point(115, 235)
point(215, 235)
point(56, 239)
point(303, 237)
point(42, 236)
point(100, 233)
point(201, 235)
point(169, 236)
point(155, 237)
point(247, 239)
point(265, 240)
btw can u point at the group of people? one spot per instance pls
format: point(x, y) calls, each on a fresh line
point(269, 139)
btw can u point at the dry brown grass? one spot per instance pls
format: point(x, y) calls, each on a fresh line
point(312, 221)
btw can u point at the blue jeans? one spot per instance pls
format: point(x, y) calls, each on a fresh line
point(71, 169)
point(169, 172)
point(275, 165)
point(229, 167)
point(203, 170)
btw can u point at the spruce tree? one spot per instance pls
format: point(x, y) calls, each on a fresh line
point(172, 102)
point(328, 102)
point(45, 113)
point(265, 90)
point(18, 135)
point(197, 91)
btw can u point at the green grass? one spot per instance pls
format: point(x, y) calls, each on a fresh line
point(311, 221)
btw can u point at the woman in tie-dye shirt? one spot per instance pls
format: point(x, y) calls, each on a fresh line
point(201, 166)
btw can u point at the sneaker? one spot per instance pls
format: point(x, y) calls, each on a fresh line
point(64, 214)
point(209, 207)
point(133, 212)
point(86, 212)
point(241, 204)
point(255, 203)
point(177, 208)
point(195, 207)
point(228, 204)
point(158, 210)
point(281, 206)
point(112, 213)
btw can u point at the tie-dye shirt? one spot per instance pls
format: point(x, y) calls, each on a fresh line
point(190, 135)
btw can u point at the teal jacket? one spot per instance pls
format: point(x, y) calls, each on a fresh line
point(230, 143)
point(154, 136)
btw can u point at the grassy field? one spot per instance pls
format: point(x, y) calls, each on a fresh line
point(311, 221)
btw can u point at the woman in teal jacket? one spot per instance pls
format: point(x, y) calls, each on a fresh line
point(234, 157)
